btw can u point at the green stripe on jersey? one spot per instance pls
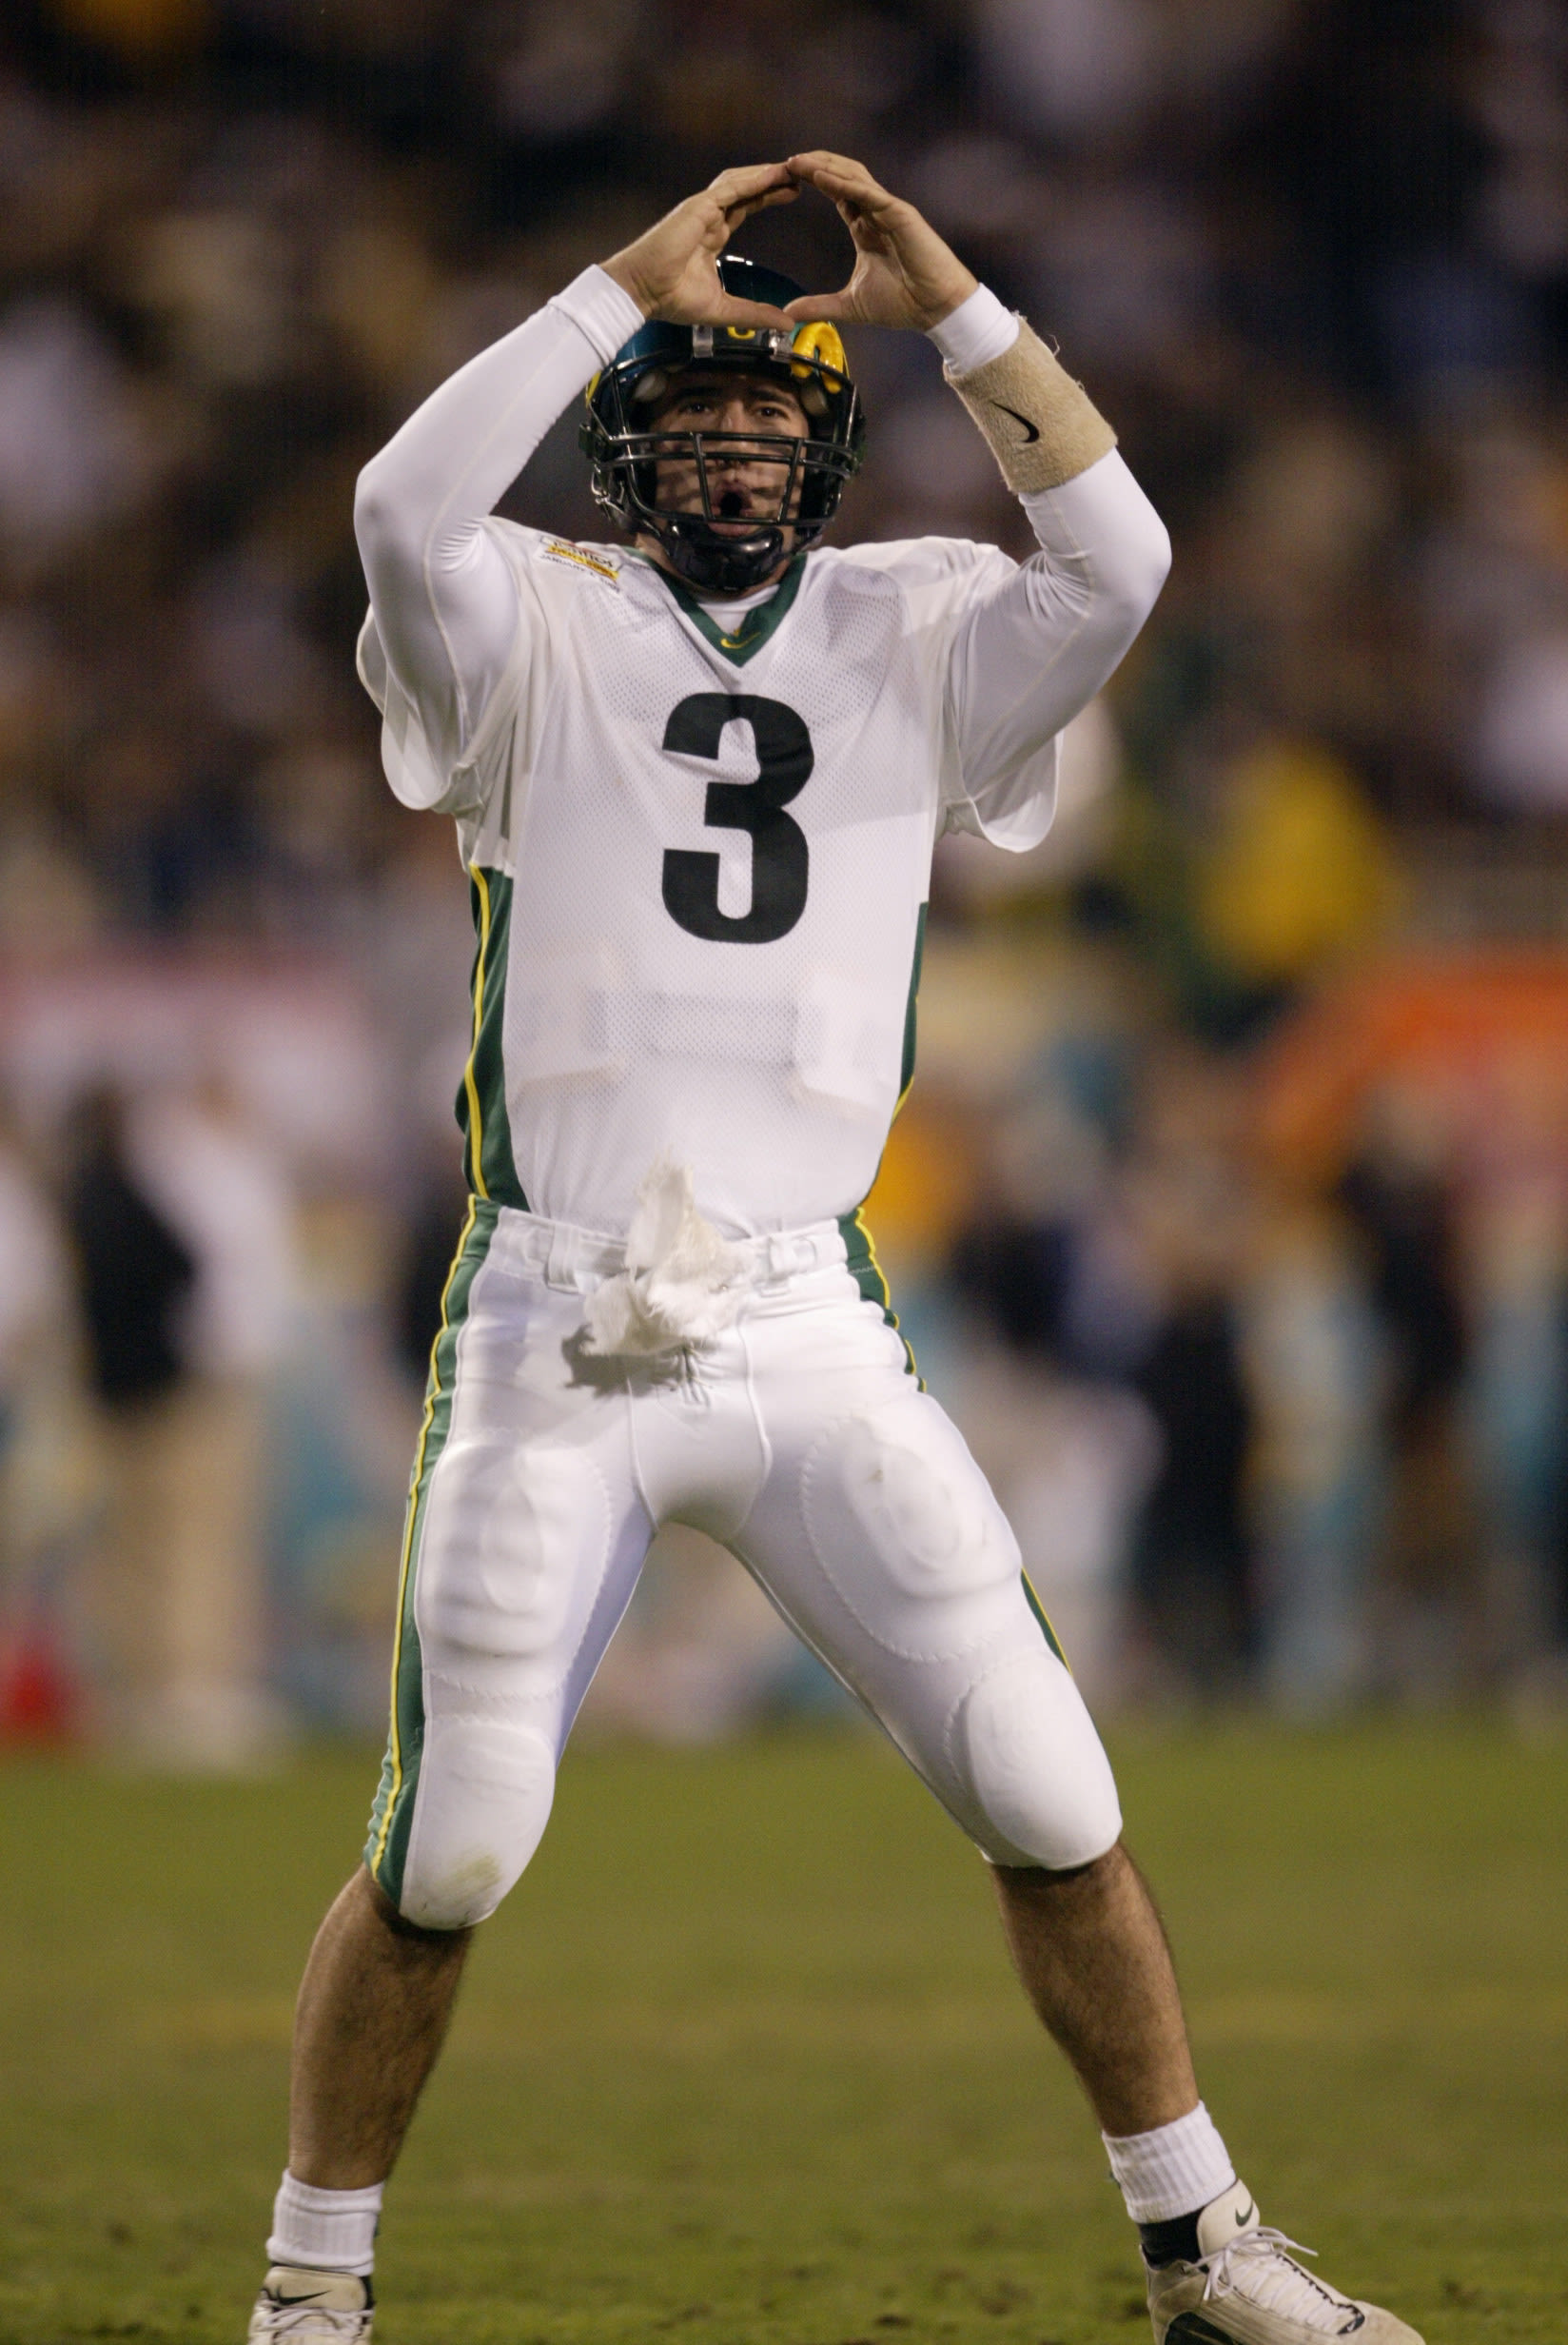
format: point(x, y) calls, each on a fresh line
point(906, 1072)
point(757, 626)
point(393, 1813)
point(858, 1244)
point(482, 1100)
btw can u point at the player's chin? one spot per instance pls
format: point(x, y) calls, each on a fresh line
point(763, 515)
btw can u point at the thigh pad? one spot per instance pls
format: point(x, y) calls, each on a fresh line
point(516, 1536)
point(904, 1527)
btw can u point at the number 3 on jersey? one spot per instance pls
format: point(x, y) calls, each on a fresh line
point(779, 856)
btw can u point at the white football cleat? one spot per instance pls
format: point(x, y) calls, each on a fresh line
point(1246, 2289)
point(296, 2307)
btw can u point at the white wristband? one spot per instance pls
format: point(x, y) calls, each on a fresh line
point(974, 333)
point(602, 310)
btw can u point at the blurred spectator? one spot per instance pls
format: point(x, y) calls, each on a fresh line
point(1191, 1559)
point(135, 1270)
point(1191, 1572)
point(238, 241)
point(39, 1506)
point(1401, 1191)
point(35, 1305)
point(70, 456)
point(223, 1190)
point(435, 1220)
point(135, 1274)
point(1518, 1402)
point(181, 1231)
point(1313, 1368)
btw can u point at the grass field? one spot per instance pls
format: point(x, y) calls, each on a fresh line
point(741, 2060)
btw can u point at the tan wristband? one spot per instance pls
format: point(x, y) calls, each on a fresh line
point(1042, 427)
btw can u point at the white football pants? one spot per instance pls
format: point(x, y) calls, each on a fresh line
point(802, 1442)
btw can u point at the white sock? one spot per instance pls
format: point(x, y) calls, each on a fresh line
point(1175, 2170)
point(324, 2229)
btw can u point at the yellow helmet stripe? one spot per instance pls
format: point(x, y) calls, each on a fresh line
point(821, 342)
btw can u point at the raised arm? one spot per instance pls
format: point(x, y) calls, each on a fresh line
point(442, 592)
point(1035, 650)
point(1041, 643)
point(1034, 647)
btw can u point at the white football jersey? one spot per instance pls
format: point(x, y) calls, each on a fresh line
point(700, 865)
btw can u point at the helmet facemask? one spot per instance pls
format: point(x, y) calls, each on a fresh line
point(755, 476)
point(627, 448)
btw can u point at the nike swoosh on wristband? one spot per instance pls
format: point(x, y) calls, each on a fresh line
point(1032, 431)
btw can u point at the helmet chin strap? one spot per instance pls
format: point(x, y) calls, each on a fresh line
point(726, 566)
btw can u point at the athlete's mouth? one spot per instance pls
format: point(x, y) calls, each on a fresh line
point(739, 512)
point(734, 510)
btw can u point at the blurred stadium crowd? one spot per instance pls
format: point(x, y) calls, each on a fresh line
point(1231, 1212)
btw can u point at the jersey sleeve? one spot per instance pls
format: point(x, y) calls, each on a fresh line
point(441, 775)
point(1017, 649)
point(446, 651)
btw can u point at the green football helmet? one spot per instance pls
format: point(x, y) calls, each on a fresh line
point(623, 447)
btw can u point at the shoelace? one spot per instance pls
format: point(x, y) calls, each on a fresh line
point(1255, 2265)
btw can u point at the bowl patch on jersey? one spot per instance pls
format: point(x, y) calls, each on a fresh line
point(578, 557)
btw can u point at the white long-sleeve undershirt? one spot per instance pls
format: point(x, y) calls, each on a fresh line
point(1027, 658)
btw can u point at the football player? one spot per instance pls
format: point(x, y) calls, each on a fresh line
point(697, 773)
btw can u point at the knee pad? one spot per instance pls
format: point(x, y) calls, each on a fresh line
point(480, 1812)
point(1035, 1766)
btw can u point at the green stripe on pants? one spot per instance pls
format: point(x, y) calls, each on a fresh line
point(394, 1810)
point(866, 1270)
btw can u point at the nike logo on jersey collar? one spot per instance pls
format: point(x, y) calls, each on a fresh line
point(1032, 431)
